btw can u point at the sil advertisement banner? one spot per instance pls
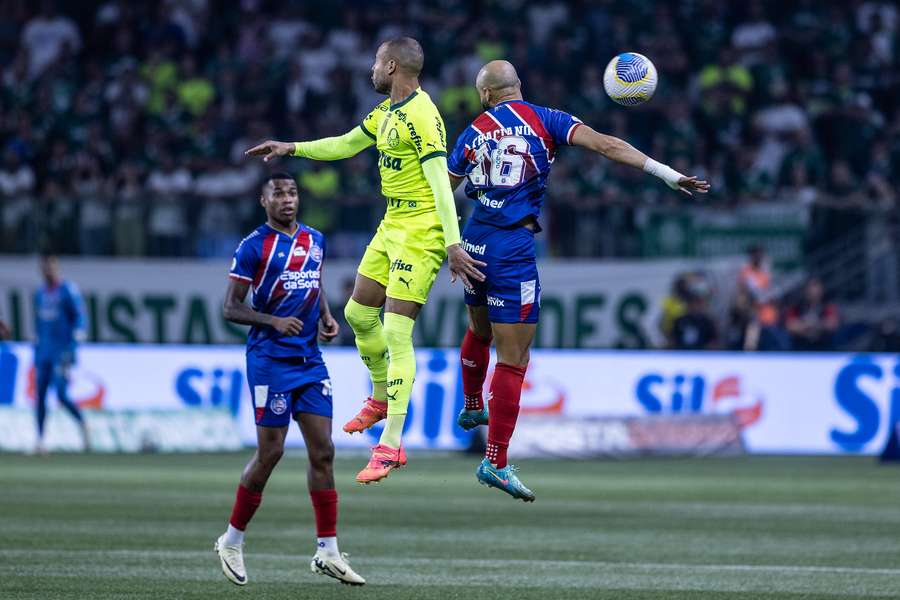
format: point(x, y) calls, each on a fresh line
point(784, 403)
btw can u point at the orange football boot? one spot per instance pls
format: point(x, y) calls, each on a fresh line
point(372, 411)
point(384, 460)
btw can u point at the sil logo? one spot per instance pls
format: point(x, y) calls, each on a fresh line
point(685, 394)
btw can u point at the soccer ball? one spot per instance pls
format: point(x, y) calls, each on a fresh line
point(630, 79)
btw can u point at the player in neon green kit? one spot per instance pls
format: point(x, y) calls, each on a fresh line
point(418, 230)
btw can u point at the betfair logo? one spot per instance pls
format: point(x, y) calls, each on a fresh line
point(399, 265)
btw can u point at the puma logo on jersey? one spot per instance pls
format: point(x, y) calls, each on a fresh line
point(405, 282)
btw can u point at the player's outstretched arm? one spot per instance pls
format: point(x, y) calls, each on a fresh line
point(461, 264)
point(236, 311)
point(331, 148)
point(621, 151)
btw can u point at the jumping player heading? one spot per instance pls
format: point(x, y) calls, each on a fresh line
point(401, 262)
point(505, 155)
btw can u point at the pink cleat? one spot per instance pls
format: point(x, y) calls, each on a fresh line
point(371, 412)
point(384, 460)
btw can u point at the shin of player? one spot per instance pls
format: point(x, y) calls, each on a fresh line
point(281, 261)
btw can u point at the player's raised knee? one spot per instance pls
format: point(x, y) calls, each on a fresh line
point(361, 317)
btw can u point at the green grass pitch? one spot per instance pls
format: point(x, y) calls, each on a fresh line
point(753, 528)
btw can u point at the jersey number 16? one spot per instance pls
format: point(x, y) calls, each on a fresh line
point(506, 164)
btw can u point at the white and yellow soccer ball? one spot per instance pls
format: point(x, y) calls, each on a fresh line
point(630, 79)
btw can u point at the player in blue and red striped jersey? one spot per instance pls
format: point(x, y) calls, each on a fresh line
point(505, 157)
point(280, 265)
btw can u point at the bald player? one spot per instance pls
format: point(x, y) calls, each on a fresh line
point(418, 230)
point(505, 157)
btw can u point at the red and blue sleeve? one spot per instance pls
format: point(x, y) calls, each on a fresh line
point(458, 163)
point(560, 125)
point(245, 262)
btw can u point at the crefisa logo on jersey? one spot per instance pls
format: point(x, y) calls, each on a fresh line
point(279, 403)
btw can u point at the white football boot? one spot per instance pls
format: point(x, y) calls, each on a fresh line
point(232, 558)
point(336, 567)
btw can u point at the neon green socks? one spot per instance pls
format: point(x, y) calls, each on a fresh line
point(401, 372)
point(365, 321)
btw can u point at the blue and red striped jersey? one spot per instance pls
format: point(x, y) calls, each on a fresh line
point(506, 154)
point(284, 272)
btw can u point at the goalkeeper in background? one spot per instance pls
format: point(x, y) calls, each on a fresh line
point(418, 230)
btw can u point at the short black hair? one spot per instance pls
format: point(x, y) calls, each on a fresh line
point(277, 175)
point(408, 54)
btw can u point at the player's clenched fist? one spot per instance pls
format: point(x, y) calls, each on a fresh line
point(271, 149)
point(287, 325)
point(328, 328)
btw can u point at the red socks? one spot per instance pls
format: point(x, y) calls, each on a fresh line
point(325, 506)
point(474, 354)
point(245, 504)
point(506, 390)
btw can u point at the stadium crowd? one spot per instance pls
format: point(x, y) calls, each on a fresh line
point(123, 124)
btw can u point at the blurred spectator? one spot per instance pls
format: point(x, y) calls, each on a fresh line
point(673, 307)
point(812, 322)
point(755, 277)
point(753, 35)
point(755, 313)
point(129, 232)
point(47, 36)
point(195, 92)
point(695, 329)
point(886, 337)
point(16, 178)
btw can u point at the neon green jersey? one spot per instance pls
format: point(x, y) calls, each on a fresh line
point(406, 134)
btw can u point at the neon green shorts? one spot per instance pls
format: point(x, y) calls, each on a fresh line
point(405, 254)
